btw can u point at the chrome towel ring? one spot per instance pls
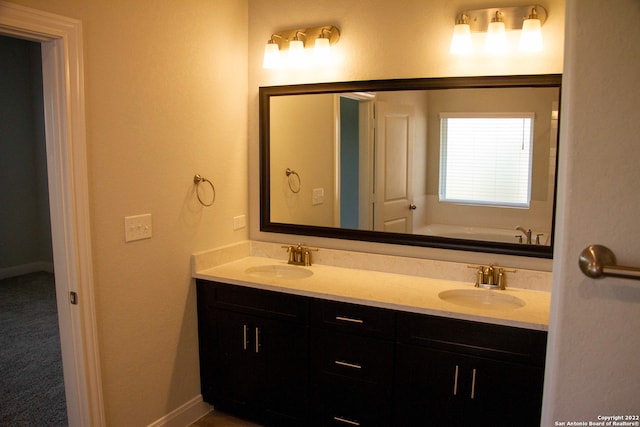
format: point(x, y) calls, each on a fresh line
point(197, 180)
point(292, 186)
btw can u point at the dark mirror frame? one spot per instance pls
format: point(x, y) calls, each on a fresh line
point(266, 225)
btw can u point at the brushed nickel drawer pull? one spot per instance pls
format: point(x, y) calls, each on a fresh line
point(244, 337)
point(349, 319)
point(346, 421)
point(473, 384)
point(455, 382)
point(348, 365)
point(257, 340)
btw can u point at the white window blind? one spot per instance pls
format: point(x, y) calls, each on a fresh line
point(485, 159)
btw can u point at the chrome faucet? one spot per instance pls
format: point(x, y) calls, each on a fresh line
point(527, 233)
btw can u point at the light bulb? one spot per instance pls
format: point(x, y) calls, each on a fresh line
point(531, 37)
point(271, 57)
point(461, 40)
point(296, 53)
point(496, 38)
point(322, 50)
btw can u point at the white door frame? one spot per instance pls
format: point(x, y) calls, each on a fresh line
point(63, 90)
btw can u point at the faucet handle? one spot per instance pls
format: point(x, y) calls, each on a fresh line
point(479, 277)
point(502, 279)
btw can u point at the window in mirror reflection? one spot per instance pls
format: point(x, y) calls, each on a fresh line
point(485, 159)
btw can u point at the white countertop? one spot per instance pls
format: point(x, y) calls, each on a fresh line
point(386, 290)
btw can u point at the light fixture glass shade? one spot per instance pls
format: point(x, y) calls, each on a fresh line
point(461, 40)
point(531, 37)
point(271, 57)
point(296, 53)
point(496, 38)
point(322, 50)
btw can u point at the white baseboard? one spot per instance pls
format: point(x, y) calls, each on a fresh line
point(32, 267)
point(184, 415)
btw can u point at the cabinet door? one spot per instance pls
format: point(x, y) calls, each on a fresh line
point(283, 349)
point(429, 387)
point(259, 367)
point(235, 372)
point(504, 394)
point(443, 388)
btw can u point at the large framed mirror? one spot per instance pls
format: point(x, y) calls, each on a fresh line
point(464, 163)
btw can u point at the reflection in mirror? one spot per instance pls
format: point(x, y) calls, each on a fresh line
point(467, 164)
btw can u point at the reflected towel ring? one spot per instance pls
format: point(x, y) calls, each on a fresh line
point(197, 179)
point(292, 186)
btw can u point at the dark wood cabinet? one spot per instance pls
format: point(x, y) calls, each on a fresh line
point(351, 371)
point(282, 359)
point(459, 373)
point(254, 352)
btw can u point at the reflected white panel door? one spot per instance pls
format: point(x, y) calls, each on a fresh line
point(394, 150)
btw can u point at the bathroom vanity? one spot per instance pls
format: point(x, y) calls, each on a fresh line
point(323, 345)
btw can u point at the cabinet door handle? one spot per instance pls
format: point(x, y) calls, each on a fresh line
point(473, 384)
point(346, 421)
point(455, 382)
point(244, 337)
point(257, 340)
point(348, 365)
point(349, 319)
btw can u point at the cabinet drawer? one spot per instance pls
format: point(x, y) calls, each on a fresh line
point(351, 403)
point(353, 318)
point(264, 303)
point(479, 339)
point(357, 357)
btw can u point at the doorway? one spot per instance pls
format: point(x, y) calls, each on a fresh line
point(33, 386)
point(374, 163)
point(354, 160)
point(63, 92)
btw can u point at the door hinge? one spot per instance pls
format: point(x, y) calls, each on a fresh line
point(73, 298)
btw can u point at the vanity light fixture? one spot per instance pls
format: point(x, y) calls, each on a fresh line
point(322, 49)
point(496, 41)
point(531, 37)
point(297, 41)
point(495, 22)
point(461, 40)
point(271, 57)
point(296, 50)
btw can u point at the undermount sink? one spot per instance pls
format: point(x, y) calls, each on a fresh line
point(482, 298)
point(279, 272)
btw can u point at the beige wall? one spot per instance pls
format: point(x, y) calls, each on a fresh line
point(310, 154)
point(381, 39)
point(166, 97)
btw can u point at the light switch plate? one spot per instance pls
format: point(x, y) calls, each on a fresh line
point(239, 222)
point(137, 227)
point(318, 196)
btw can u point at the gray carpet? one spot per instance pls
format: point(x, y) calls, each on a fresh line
point(31, 382)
